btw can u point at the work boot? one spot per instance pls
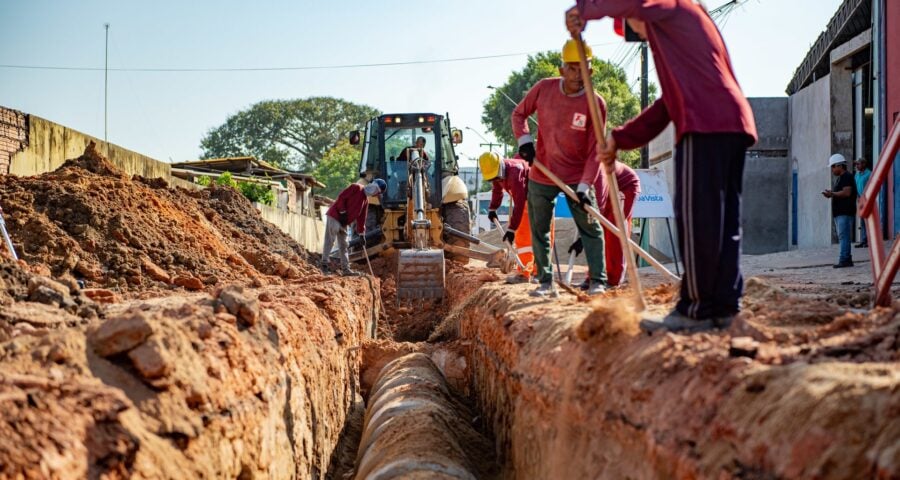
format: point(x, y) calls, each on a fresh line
point(676, 322)
point(326, 270)
point(724, 321)
point(585, 285)
point(862, 245)
point(515, 278)
point(545, 290)
point(844, 264)
point(596, 288)
point(351, 273)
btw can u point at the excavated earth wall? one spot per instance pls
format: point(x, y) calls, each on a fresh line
point(792, 390)
point(156, 332)
point(241, 384)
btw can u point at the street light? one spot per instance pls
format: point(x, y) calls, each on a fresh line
point(476, 133)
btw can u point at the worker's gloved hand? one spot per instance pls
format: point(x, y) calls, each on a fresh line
point(342, 217)
point(583, 199)
point(492, 215)
point(576, 247)
point(526, 151)
point(509, 236)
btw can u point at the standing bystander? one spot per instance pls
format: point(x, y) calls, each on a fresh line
point(862, 178)
point(843, 206)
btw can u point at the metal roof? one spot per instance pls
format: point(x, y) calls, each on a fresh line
point(852, 18)
point(247, 166)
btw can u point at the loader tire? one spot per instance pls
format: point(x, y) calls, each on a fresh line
point(456, 215)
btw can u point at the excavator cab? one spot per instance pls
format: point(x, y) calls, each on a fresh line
point(424, 211)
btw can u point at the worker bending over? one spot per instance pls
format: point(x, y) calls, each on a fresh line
point(629, 188)
point(351, 206)
point(567, 147)
point(510, 175)
point(713, 127)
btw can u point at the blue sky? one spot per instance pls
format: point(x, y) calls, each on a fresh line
point(165, 114)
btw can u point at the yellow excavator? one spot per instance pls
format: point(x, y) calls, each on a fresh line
point(424, 211)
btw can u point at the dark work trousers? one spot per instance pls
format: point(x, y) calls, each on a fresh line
point(709, 169)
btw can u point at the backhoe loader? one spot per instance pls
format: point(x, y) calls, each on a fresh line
point(424, 211)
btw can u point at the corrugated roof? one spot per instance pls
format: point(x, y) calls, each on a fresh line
point(247, 166)
point(852, 18)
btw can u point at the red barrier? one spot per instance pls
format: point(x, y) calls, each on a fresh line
point(884, 268)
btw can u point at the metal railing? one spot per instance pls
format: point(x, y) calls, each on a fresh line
point(884, 267)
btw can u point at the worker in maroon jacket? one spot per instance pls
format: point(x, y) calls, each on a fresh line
point(713, 126)
point(351, 206)
point(629, 188)
point(510, 175)
point(567, 147)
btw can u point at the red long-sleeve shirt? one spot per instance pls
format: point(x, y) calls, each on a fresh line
point(627, 179)
point(354, 203)
point(699, 91)
point(514, 182)
point(566, 143)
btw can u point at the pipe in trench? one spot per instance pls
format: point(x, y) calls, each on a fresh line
point(409, 425)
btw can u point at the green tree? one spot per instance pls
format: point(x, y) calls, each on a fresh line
point(291, 134)
point(338, 168)
point(609, 80)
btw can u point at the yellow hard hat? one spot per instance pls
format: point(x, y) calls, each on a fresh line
point(570, 52)
point(490, 165)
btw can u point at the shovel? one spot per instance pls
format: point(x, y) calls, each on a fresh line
point(509, 248)
point(571, 268)
point(600, 134)
point(6, 237)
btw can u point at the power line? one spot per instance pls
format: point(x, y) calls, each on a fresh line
point(278, 69)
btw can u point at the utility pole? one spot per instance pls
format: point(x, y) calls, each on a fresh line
point(645, 100)
point(106, 91)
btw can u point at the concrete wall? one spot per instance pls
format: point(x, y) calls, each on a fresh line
point(765, 217)
point(51, 144)
point(810, 121)
point(307, 231)
point(35, 145)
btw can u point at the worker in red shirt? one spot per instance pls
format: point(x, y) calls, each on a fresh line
point(510, 175)
point(629, 188)
point(714, 126)
point(351, 206)
point(567, 147)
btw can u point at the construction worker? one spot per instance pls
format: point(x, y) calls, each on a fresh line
point(629, 188)
point(567, 147)
point(351, 206)
point(714, 126)
point(511, 176)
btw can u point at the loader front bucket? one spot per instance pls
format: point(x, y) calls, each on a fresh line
point(420, 274)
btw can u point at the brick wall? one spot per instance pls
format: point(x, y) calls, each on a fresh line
point(13, 136)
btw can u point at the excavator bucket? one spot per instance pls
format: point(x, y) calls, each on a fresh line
point(420, 274)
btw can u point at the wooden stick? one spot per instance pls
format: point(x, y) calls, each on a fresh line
point(600, 133)
point(635, 248)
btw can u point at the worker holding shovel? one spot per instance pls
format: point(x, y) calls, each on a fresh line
point(568, 148)
point(714, 126)
point(510, 175)
point(629, 188)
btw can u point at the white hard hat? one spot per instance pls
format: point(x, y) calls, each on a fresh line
point(836, 159)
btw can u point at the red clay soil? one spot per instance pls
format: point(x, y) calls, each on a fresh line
point(794, 389)
point(89, 221)
point(242, 384)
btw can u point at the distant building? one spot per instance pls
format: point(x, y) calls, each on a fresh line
point(472, 178)
point(844, 98)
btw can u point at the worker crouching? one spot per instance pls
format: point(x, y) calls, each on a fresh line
point(351, 207)
point(510, 175)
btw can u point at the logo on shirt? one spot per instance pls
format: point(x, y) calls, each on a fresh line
point(579, 121)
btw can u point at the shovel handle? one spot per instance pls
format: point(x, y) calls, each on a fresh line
point(509, 247)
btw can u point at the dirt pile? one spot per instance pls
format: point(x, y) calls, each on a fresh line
point(89, 221)
point(246, 383)
point(32, 304)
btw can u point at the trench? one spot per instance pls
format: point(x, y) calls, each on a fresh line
point(416, 412)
